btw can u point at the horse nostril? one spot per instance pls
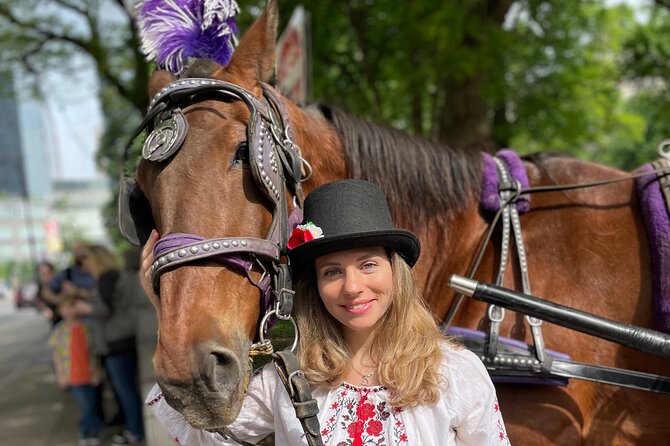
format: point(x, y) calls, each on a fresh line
point(223, 359)
point(226, 368)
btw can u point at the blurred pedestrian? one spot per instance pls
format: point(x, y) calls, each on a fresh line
point(77, 368)
point(111, 309)
point(45, 272)
point(72, 281)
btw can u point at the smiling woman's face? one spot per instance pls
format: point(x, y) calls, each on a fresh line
point(356, 287)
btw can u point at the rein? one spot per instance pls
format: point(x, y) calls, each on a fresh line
point(276, 166)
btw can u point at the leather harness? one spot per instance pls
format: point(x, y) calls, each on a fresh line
point(276, 165)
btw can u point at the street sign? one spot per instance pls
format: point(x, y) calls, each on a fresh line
point(294, 58)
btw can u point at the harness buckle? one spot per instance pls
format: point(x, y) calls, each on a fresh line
point(256, 283)
point(283, 291)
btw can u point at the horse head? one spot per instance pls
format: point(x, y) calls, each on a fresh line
point(220, 175)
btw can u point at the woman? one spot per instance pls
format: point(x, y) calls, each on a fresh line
point(111, 309)
point(379, 367)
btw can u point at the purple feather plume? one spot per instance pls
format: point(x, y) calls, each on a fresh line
point(175, 30)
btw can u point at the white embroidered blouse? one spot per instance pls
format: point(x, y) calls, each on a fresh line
point(467, 414)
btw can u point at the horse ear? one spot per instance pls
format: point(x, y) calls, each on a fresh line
point(254, 57)
point(158, 80)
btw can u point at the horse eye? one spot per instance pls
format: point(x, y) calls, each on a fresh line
point(241, 153)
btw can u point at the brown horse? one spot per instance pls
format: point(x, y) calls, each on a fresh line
point(586, 248)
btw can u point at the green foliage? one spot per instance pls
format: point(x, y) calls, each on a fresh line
point(588, 78)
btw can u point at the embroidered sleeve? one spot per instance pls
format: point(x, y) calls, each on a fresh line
point(481, 422)
point(254, 422)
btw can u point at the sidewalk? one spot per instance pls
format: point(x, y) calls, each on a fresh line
point(35, 412)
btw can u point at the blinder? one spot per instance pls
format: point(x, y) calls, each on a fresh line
point(135, 218)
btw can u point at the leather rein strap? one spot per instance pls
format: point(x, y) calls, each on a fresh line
point(276, 165)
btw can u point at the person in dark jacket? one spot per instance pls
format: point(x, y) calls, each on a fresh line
point(111, 309)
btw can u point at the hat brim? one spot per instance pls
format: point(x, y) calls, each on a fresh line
point(403, 242)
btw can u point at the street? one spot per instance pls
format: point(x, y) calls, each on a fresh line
point(33, 410)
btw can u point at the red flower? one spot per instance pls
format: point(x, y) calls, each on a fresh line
point(365, 411)
point(374, 427)
point(355, 429)
point(304, 233)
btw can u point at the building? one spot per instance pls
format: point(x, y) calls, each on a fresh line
point(36, 213)
point(25, 182)
point(76, 206)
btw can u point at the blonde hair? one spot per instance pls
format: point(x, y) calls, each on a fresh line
point(406, 345)
point(102, 259)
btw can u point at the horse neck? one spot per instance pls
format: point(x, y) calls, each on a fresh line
point(449, 229)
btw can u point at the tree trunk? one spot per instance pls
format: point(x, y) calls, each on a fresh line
point(463, 120)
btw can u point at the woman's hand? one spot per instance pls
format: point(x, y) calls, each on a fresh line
point(147, 259)
point(83, 308)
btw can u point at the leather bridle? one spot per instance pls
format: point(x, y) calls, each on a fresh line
point(277, 168)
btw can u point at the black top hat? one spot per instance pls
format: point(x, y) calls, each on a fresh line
point(348, 214)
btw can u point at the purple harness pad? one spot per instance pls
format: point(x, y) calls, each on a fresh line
point(490, 200)
point(481, 337)
point(657, 222)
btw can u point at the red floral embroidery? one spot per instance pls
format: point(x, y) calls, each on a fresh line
point(366, 411)
point(364, 423)
point(374, 427)
point(355, 429)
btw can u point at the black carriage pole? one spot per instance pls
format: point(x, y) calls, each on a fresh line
point(638, 338)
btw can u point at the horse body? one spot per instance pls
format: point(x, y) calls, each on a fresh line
point(586, 249)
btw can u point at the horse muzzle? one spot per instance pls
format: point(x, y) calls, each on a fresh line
point(212, 396)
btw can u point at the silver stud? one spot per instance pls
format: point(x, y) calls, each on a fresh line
point(170, 256)
point(216, 245)
point(162, 260)
point(181, 252)
point(194, 249)
point(226, 245)
point(206, 247)
point(235, 243)
point(243, 243)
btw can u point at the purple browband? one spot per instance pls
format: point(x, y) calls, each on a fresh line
point(490, 200)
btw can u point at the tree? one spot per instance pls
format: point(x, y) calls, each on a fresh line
point(583, 77)
point(38, 36)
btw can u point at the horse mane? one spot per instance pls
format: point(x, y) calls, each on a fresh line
point(418, 176)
